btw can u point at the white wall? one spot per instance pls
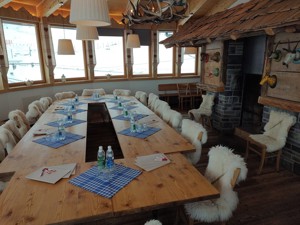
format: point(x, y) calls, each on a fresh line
point(21, 99)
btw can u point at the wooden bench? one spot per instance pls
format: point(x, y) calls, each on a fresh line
point(167, 90)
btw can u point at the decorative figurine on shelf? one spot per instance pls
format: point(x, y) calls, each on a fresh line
point(63, 78)
point(108, 76)
point(204, 57)
point(291, 54)
point(276, 54)
point(270, 80)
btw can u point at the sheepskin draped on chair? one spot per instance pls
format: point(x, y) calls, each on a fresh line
point(121, 92)
point(20, 120)
point(270, 143)
point(46, 102)
point(203, 113)
point(11, 126)
point(64, 95)
point(197, 135)
point(175, 120)
point(33, 113)
point(7, 142)
point(142, 97)
point(153, 222)
point(161, 107)
point(224, 170)
point(89, 92)
point(151, 101)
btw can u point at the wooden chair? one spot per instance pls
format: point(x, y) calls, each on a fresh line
point(121, 92)
point(89, 92)
point(33, 113)
point(224, 170)
point(7, 142)
point(142, 97)
point(184, 95)
point(64, 95)
point(20, 120)
point(203, 113)
point(197, 135)
point(196, 93)
point(270, 143)
point(46, 102)
point(175, 120)
point(151, 101)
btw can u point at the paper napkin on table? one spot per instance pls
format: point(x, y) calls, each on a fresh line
point(40, 132)
point(151, 162)
point(52, 174)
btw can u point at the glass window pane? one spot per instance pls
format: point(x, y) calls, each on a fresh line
point(189, 64)
point(165, 65)
point(22, 51)
point(109, 56)
point(72, 66)
point(141, 60)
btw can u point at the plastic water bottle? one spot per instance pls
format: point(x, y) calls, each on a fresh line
point(73, 107)
point(76, 99)
point(69, 116)
point(61, 134)
point(125, 111)
point(109, 162)
point(132, 124)
point(120, 105)
point(101, 159)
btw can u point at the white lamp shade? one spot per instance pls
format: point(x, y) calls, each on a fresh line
point(65, 47)
point(190, 50)
point(89, 13)
point(86, 33)
point(133, 41)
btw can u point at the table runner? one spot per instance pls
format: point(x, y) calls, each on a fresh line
point(120, 177)
point(143, 134)
point(74, 122)
point(70, 137)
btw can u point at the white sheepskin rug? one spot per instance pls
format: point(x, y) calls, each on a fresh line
point(153, 222)
point(191, 131)
point(204, 109)
point(221, 166)
point(276, 131)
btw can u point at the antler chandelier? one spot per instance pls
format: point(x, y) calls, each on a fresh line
point(154, 11)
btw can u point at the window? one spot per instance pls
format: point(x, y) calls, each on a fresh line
point(165, 56)
point(72, 66)
point(141, 60)
point(109, 56)
point(189, 61)
point(22, 52)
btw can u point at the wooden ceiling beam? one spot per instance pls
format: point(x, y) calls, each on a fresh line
point(47, 7)
point(4, 2)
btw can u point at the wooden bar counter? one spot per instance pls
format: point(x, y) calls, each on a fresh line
point(25, 201)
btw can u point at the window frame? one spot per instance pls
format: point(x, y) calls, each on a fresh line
point(197, 64)
point(137, 76)
point(39, 48)
point(84, 50)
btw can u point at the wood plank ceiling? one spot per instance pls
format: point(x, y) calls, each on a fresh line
point(44, 8)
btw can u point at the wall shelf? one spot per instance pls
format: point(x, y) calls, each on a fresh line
point(280, 103)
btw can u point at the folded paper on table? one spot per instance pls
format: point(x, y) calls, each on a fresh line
point(40, 132)
point(151, 162)
point(52, 174)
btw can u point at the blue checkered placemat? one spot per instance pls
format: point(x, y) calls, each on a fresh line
point(65, 112)
point(74, 122)
point(128, 107)
point(137, 117)
point(119, 178)
point(95, 100)
point(116, 101)
point(143, 134)
point(69, 103)
point(56, 144)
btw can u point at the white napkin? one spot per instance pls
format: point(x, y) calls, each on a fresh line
point(151, 162)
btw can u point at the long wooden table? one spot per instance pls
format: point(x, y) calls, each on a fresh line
point(26, 201)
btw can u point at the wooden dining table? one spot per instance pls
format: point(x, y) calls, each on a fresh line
point(25, 201)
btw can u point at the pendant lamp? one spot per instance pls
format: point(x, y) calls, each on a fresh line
point(133, 41)
point(89, 13)
point(86, 33)
point(65, 47)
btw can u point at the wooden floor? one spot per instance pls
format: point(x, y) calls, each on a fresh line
point(272, 198)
